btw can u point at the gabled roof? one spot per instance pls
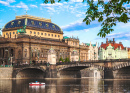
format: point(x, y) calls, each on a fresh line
point(115, 45)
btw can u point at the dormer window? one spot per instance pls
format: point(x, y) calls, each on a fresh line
point(12, 23)
point(40, 23)
point(47, 25)
point(19, 22)
point(53, 26)
point(32, 22)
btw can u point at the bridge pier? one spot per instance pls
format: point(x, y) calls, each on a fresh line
point(51, 71)
point(108, 73)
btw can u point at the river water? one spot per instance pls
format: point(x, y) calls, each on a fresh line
point(87, 85)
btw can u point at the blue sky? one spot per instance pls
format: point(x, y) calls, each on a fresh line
point(68, 15)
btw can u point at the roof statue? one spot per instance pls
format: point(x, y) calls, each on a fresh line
point(23, 30)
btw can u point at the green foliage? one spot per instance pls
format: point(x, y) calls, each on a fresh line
point(61, 59)
point(112, 11)
point(67, 60)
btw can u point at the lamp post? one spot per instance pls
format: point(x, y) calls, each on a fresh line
point(8, 55)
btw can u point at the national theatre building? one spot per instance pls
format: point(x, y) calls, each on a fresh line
point(41, 36)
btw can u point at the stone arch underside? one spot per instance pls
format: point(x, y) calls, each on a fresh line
point(29, 73)
point(122, 73)
point(74, 71)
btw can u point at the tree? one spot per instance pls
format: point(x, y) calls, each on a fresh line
point(67, 59)
point(61, 59)
point(112, 11)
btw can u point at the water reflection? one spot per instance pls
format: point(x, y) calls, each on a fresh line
point(89, 85)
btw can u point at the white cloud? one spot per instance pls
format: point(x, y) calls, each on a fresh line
point(51, 9)
point(55, 4)
point(4, 3)
point(11, 1)
point(76, 0)
point(33, 6)
point(7, 2)
point(22, 5)
point(79, 22)
point(75, 32)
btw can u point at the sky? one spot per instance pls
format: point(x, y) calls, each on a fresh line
point(68, 16)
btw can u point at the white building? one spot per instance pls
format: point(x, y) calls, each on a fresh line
point(112, 50)
point(92, 52)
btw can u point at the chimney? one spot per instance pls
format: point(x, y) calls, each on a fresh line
point(106, 40)
point(120, 42)
point(113, 40)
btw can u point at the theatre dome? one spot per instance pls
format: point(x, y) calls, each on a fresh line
point(32, 21)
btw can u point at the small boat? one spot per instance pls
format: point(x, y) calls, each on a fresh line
point(36, 83)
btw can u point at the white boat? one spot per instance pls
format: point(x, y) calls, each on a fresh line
point(36, 83)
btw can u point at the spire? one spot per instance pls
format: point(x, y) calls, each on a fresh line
point(26, 12)
point(96, 44)
point(90, 43)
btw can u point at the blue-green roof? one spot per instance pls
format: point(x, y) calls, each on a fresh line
point(88, 44)
point(65, 37)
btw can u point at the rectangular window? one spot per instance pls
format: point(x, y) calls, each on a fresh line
point(38, 33)
point(41, 33)
point(48, 34)
point(13, 32)
point(30, 32)
point(52, 35)
point(45, 34)
point(6, 33)
point(34, 32)
point(55, 35)
point(58, 35)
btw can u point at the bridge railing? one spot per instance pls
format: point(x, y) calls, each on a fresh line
point(94, 61)
point(27, 65)
point(6, 65)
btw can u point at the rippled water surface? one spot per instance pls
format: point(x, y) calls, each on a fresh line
point(65, 86)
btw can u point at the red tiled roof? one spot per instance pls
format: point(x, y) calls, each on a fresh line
point(128, 49)
point(115, 45)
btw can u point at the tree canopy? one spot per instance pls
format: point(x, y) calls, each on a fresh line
point(108, 12)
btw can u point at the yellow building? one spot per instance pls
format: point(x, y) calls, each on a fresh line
point(35, 26)
point(128, 52)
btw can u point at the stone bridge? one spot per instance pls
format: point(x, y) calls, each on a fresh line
point(107, 69)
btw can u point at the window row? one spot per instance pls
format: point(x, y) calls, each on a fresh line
point(45, 34)
point(10, 33)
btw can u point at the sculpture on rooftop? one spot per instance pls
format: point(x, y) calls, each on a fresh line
point(23, 30)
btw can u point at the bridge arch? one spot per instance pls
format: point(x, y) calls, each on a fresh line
point(122, 71)
point(119, 66)
point(79, 65)
point(29, 72)
point(74, 70)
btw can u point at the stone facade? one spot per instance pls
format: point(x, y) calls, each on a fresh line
point(128, 52)
point(33, 46)
point(112, 50)
point(92, 52)
point(6, 72)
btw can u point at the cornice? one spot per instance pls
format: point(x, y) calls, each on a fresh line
point(32, 28)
